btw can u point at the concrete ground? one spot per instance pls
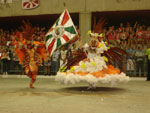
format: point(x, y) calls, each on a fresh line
point(49, 96)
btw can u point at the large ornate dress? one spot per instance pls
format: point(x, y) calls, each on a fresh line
point(94, 63)
point(93, 67)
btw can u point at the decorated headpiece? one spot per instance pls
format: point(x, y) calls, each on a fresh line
point(28, 31)
point(97, 28)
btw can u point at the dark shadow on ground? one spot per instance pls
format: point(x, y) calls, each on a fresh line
point(99, 90)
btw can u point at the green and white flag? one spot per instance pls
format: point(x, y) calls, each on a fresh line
point(60, 33)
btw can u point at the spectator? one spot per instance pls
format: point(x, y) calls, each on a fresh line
point(130, 65)
point(131, 41)
point(121, 27)
point(148, 62)
point(69, 53)
point(47, 65)
point(124, 39)
point(5, 58)
point(55, 62)
point(63, 55)
point(117, 38)
point(147, 36)
point(111, 36)
point(17, 66)
point(140, 55)
point(140, 36)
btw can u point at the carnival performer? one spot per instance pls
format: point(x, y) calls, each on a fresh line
point(30, 53)
point(94, 63)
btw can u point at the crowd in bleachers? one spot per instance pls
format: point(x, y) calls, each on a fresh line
point(132, 38)
point(135, 40)
point(127, 36)
point(9, 35)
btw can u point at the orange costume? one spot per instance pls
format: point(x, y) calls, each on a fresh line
point(30, 53)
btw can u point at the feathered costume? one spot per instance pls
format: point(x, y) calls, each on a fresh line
point(94, 64)
point(30, 53)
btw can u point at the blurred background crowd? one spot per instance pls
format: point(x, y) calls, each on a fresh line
point(135, 39)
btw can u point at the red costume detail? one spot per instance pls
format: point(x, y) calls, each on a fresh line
point(30, 53)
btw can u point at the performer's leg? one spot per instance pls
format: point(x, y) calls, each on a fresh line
point(28, 72)
point(33, 78)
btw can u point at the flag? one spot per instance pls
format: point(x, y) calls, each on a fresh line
point(60, 33)
point(30, 4)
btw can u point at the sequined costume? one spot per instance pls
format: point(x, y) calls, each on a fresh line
point(30, 53)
